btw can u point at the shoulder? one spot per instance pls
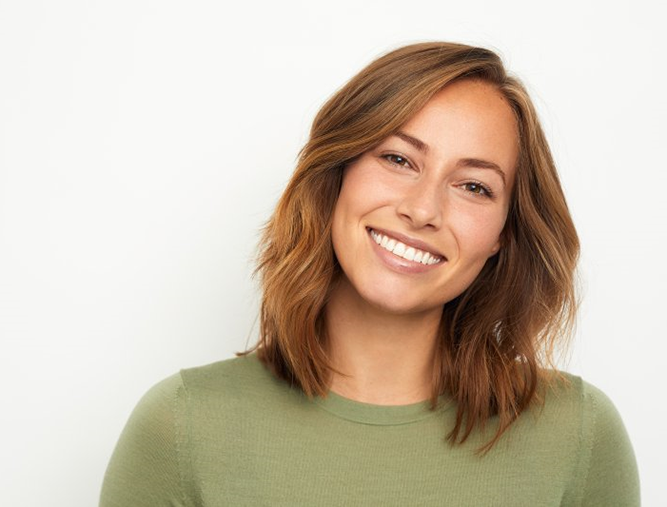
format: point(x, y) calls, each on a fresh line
point(145, 467)
point(575, 397)
point(570, 401)
point(152, 461)
point(233, 389)
point(242, 375)
point(153, 415)
point(606, 469)
point(237, 378)
point(220, 373)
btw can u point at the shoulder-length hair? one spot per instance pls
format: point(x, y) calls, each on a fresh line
point(498, 337)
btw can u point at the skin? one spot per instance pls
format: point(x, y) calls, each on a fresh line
point(382, 323)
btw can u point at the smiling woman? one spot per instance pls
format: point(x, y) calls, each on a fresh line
point(417, 274)
point(441, 190)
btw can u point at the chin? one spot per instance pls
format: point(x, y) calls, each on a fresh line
point(393, 305)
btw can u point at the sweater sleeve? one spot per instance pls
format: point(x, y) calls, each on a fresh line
point(146, 468)
point(611, 477)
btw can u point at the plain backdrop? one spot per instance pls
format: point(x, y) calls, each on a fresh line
point(144, 143)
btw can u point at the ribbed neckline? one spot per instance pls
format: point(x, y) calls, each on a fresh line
point(382, 415)
point(368, 413)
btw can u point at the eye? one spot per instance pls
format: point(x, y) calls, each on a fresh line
point(478, 188)
point(395, 159)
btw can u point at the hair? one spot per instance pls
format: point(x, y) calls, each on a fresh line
point(496, 340)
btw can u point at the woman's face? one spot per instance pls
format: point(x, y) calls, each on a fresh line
point(437, 193)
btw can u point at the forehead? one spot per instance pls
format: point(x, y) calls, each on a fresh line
point(468, 119)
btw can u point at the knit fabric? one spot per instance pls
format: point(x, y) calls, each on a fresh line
point(230, 433)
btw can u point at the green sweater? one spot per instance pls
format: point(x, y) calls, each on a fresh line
point(230, 433)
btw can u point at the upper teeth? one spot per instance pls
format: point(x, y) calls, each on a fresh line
point(404, 251)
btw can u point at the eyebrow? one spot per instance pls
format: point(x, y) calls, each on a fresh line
point(482, 164)
point(465, 162)
point(420, 145)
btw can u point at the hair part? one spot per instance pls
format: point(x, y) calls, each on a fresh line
point(497, 339)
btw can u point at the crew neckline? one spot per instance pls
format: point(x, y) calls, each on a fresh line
point(380, 415)
point(368, 413)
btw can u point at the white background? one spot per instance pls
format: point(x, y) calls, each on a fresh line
point(144, 143)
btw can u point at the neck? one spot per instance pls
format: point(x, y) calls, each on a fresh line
point(384, 358)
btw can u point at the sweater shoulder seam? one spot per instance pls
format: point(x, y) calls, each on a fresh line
point(180, 402)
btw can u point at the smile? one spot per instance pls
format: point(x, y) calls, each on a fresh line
point(404, 251)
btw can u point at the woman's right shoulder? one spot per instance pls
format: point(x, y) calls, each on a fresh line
point(151, 461)
point(242, 377)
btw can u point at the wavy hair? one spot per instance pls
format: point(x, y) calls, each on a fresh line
point(497, 339)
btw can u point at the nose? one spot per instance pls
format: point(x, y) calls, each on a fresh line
point(421, 205)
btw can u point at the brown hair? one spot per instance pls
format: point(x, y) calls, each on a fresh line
point(498, 336)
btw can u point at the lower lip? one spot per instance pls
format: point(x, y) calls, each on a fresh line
point(400, 264)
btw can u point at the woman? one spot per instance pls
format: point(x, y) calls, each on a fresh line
point(417, 274)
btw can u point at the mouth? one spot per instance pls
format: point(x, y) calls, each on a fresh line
point(406, 248)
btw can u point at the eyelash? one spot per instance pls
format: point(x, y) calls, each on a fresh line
point(485, 190)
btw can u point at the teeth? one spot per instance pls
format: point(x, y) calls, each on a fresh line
point(404, 251)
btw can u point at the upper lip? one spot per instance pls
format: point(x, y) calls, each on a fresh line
point(407, 240)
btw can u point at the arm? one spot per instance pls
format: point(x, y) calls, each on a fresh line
point(611, 478)
point(144, 469)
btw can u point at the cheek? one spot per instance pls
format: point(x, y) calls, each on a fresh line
point(347, 215)
point(478, 233)
point(364, 183)
point(360, 193)
point(338, 222)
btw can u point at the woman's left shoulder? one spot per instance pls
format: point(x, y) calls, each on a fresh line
point(566, 393)
point(574, 416)
point(606, 468)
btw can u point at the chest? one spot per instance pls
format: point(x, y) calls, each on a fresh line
point(326, 461)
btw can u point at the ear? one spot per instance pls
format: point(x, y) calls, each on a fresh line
point(496, 248)
point(502, 239)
